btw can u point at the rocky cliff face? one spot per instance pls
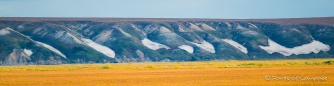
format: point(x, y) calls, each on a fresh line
point(56, 41)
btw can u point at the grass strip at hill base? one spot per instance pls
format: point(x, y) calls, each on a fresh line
point(173, 65)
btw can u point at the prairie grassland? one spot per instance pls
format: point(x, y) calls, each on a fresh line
point(233, 72)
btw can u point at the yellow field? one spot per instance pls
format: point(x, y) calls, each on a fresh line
point(318, 72)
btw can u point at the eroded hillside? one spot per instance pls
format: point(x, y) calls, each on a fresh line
point(55, 41)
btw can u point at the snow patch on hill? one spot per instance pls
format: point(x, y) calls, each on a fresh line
point(59, 34)
point(187, 48)
point(207, 27)
point(228, 24)
point(103, 36)
point(4, 31)
point(153, 45)
point(139, 31)
point(123, 32)
point(194, 27)
point(250, 32)
point(236, 45)
point(66, 37)
point(164, 30)
point(252, 25)
point(206, 46)
point(51, 48)
point(28, 52)
point(240, 27)
point(74, 38)
point(103, 49)
point(182, 29)
point(314, 46)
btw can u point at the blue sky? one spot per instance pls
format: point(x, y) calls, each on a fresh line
point(223, 9)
